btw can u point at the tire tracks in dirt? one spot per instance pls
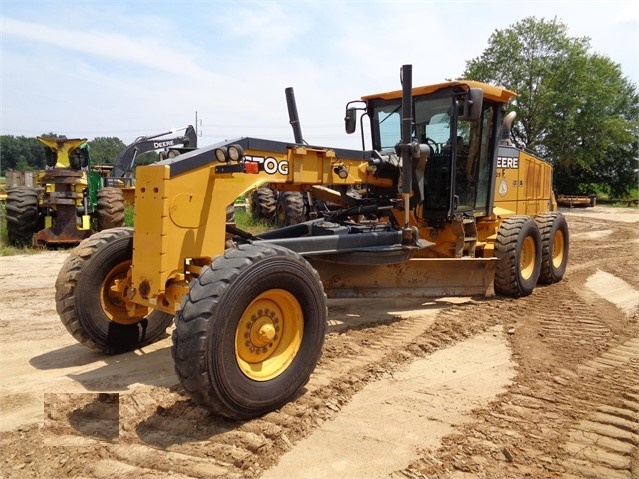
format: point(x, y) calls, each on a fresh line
point(390, 419)
point(161, 431)
point(574, 425)
point(573, 409)
point(568, 413)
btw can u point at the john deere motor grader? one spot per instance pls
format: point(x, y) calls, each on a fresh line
point(442, 204)
point(69, 202)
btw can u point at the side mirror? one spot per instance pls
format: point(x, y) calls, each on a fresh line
point(472, 105)
point(350, 120)
point(506, 126)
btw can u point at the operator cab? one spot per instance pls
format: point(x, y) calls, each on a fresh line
point(459, 125)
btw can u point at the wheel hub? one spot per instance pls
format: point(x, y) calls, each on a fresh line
point(265, 334)
point(113, 297)
point(260, 336)
point(269, 335)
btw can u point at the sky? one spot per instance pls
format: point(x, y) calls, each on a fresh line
point(89, 69)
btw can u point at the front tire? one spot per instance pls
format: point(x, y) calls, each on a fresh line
point(518, 247)
point(250, 331)
point(95, 315)
point(554, 247)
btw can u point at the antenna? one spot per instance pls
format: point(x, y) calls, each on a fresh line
point(198, 123)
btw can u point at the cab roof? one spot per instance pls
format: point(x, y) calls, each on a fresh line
point(491, 92)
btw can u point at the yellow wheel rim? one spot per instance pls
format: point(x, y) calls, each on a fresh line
point(113, 303)
point(527, 258)
point(269, 335)
point(558, 246)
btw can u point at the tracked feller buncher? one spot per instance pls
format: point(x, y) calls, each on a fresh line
point(68, 203)
point(442, 204)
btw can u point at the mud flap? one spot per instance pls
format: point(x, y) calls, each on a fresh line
point(415, 278)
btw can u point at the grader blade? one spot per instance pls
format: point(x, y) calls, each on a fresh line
point(418, 277)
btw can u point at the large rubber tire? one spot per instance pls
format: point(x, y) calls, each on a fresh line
point(91, 312)
point(518, 247)
point(110, 208)
point(554, 246)
point(22, 215)
point(290, 208)
point(263, 203)
point(224, 356)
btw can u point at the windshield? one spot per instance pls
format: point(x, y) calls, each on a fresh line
point(432, 121)
point(457, 175)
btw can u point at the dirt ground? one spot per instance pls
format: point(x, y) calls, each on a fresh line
point(545, 386)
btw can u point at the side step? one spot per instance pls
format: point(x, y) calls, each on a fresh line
point(415, 278)
point(466, 232)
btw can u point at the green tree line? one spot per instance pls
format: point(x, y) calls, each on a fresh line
point(26, 153)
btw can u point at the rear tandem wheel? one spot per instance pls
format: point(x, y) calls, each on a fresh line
point(518, 247)
point(290, 208)
point(95, 315)
point(263, 203)
point(554, 246)
point(250, 331)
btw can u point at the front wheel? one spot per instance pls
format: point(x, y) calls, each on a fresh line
point(250, 331)
point(518, 247)
point(92, 312)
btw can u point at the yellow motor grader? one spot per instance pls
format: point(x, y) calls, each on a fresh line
point(441, 204)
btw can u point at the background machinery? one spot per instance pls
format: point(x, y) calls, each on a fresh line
point(124, 167)
point(68, 202)
point(441, 204)
point(576, 200)
point(72, 198)
point(121, 175)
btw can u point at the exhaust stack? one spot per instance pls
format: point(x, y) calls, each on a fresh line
point(293, 117)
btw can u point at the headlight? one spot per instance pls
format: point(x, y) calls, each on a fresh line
point(221, 155)
point(236, 152)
